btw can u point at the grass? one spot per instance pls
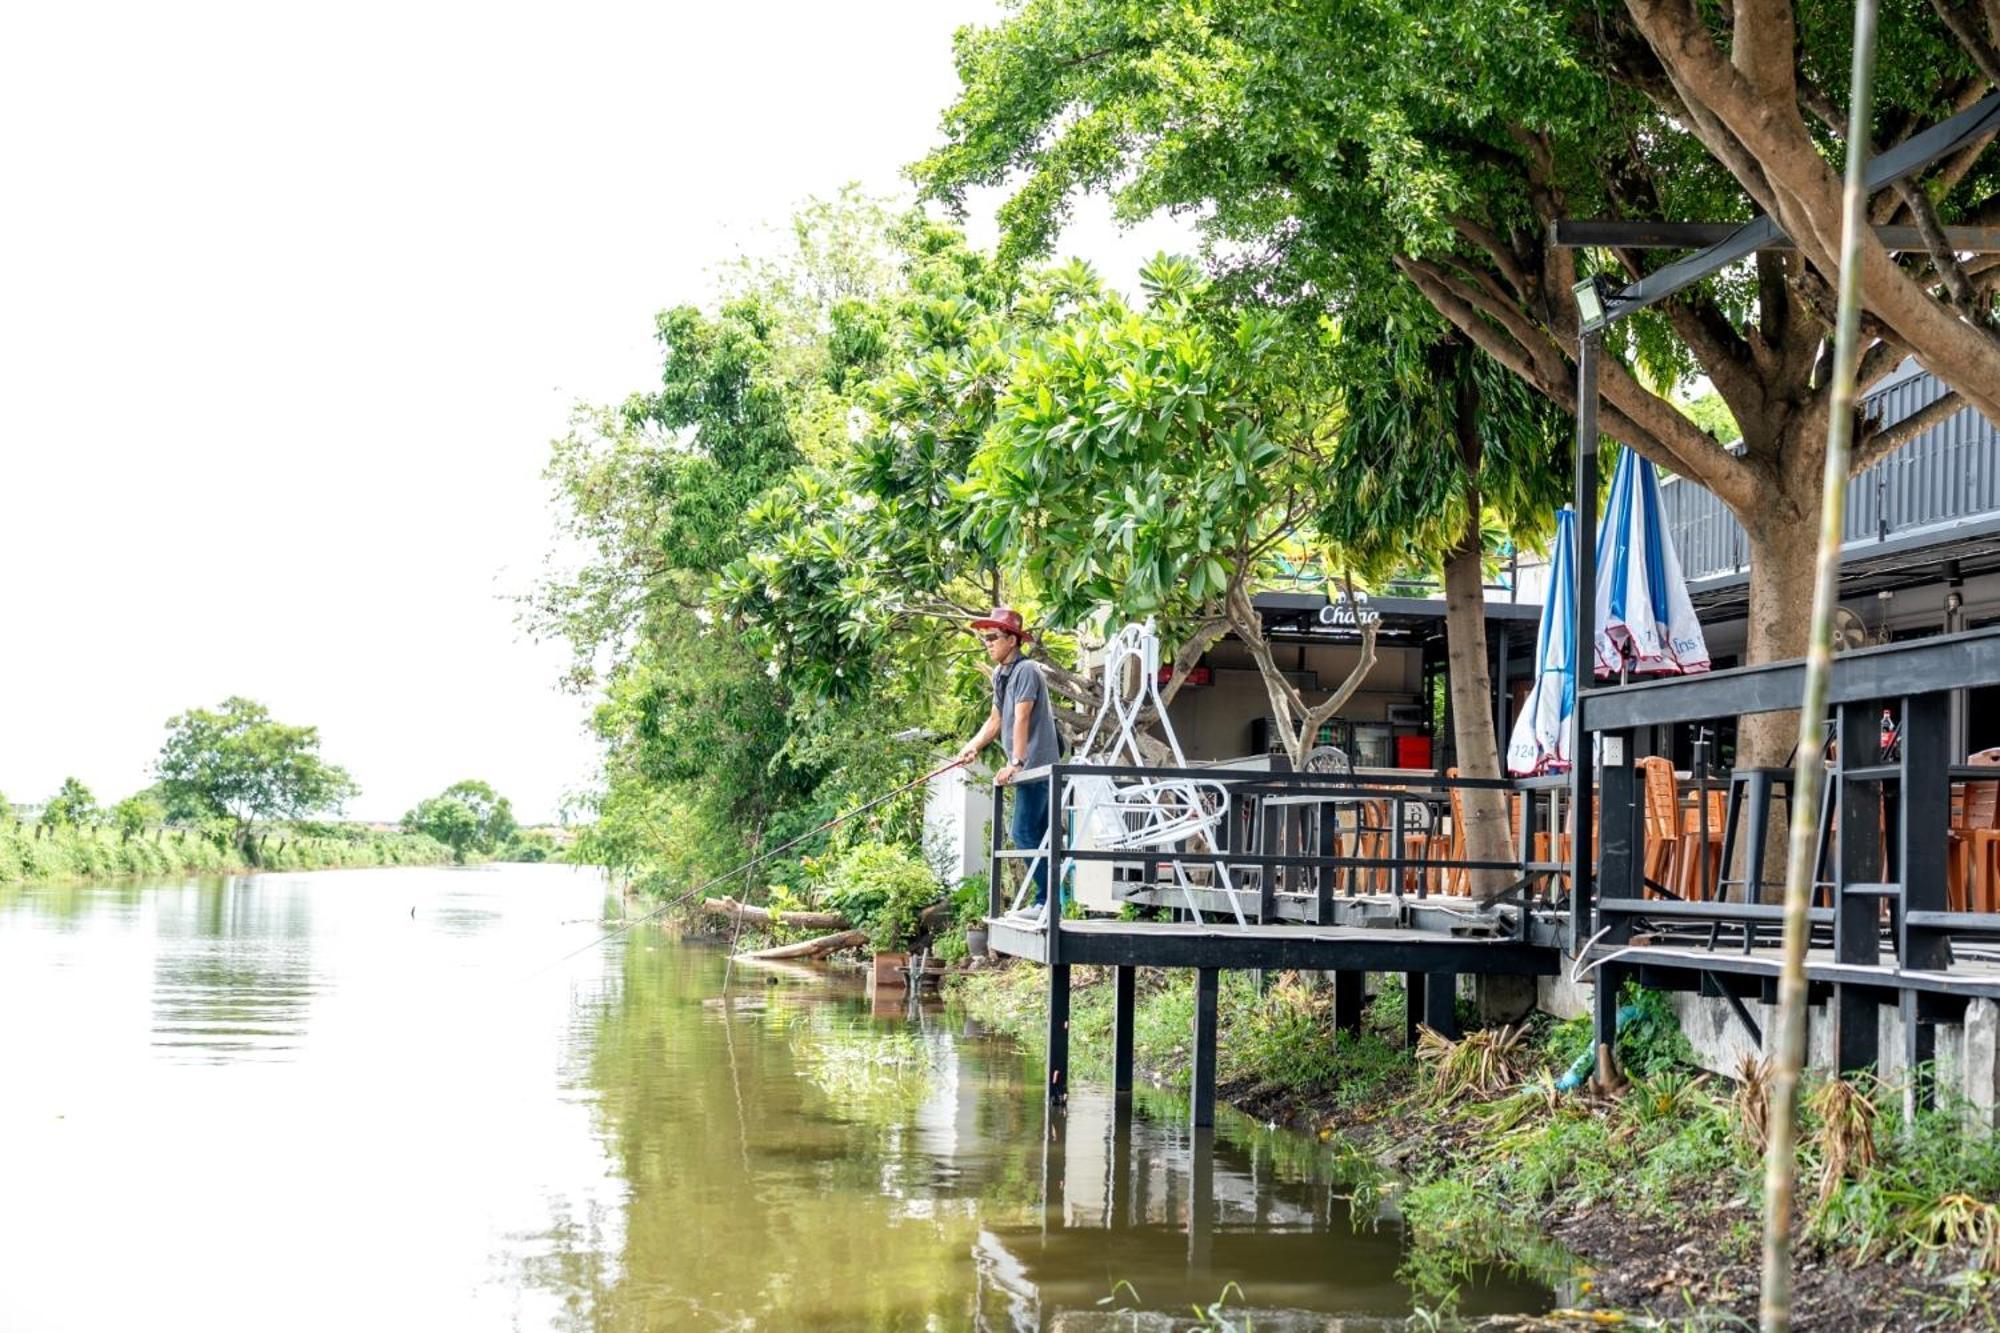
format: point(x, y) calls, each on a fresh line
point(34, 854)
point(1488, 1149)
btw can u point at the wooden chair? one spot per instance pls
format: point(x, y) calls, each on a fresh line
point(1663, 822)
point(1692, 852)
point(1976, 854)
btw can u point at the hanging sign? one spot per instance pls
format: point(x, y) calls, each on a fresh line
point(1350, 614)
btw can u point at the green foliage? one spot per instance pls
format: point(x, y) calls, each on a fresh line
point(77, 852)
point(240, 764)
point(1156, 460)
point(72, 805)
point(1650, 1040)
point(467, 817)
point(1712, 414)
point(139, 812)
point(882, 888)
point(531, 845)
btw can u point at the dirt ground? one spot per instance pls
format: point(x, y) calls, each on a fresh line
point(1691, 1270)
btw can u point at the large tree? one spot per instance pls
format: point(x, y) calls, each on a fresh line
point(714, 748)
point(467, 817)
point(240, 764)
point(1163, 461)
point(1442, 452)
point(1330, 151)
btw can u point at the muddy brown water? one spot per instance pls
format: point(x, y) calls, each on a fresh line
point(374, 1098)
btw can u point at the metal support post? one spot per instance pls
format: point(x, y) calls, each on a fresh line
point(1622, 839)
point(1058, 1090)
point(1589, 349)
point(1604, 1009)
point(1919, 1054)
point(1923, 823)
point(1441, 1003)
point(1857, 923)
point(996, 882)
point(1055, 866)
point(1415, 996)
point(1348, 998)
point(1124, 995)
point(1207, 984)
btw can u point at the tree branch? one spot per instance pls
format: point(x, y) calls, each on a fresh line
point(1882, 441)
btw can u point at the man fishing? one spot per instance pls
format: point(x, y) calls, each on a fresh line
point(1022, 717)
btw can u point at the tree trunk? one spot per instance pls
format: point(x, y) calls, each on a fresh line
point(1485, 835)
point(760, 916)
point(1781, 591)
point(814, 948)
point(1485, 810)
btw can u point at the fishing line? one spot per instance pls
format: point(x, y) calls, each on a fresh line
point(751, 864)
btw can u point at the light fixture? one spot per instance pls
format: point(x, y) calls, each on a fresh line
point(1593, 302)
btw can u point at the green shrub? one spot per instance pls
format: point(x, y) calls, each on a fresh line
point(882, 888)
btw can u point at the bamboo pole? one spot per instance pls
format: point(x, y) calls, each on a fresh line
point(1781, 1152)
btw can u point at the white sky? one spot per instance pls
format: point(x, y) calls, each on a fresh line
point(292, 299)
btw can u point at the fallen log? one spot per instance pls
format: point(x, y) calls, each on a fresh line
point(814, 948)
point(764, 916)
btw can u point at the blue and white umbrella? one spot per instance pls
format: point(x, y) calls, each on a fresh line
point(1541, 739)
point(1646, 624)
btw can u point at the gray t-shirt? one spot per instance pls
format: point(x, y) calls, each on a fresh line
point(1016, 682)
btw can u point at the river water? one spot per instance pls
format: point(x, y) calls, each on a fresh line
point(386, 1099)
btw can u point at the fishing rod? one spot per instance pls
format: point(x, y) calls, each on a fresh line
point(754, 862)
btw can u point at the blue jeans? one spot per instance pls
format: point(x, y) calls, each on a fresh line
point(1031, 828)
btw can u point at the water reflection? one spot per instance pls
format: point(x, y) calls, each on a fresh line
point(235, 979)
point(801, 1153)
point(380, 1074)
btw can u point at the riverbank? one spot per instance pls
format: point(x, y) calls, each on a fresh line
point(1658, 1189)
point(37, 854)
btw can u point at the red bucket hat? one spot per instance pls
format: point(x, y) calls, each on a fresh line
point(1005, 619)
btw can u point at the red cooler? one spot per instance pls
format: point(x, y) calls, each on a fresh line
point(1413, 752)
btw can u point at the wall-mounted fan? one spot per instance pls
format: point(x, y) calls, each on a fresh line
point(1849, 630)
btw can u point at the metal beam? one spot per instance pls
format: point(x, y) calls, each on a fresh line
point(1937, 664)
point(1615, 234)
point(1138, 944)
point(1906, 158)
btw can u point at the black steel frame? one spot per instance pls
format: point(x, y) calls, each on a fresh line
point(1887, 936)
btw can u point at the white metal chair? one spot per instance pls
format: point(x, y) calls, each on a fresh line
point(1146, 813)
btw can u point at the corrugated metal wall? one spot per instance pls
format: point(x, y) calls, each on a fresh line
point(1949, 472)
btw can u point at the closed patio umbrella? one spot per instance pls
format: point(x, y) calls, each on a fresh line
point(1541, 739)
point(1646, 624)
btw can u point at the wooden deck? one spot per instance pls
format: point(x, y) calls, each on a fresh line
point(1480, 947)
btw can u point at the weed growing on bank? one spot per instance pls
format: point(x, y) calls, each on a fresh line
point(32, 854)
point(1486, 1155)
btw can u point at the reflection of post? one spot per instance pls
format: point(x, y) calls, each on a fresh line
point(1054, 1129)
point(1201, 1200)
point(1124, 995)
point(1202, 1089)
point(1120, 1214)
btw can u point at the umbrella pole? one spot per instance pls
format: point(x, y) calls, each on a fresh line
point(1781, 1152)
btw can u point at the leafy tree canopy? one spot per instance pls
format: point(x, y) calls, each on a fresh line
point(72, 805)
point(239, 763)
point(467, 817)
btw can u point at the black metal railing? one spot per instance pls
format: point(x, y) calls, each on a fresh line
point(1883, 900)
point(1310, 840)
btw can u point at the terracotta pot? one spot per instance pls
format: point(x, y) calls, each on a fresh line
point(889, 968)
